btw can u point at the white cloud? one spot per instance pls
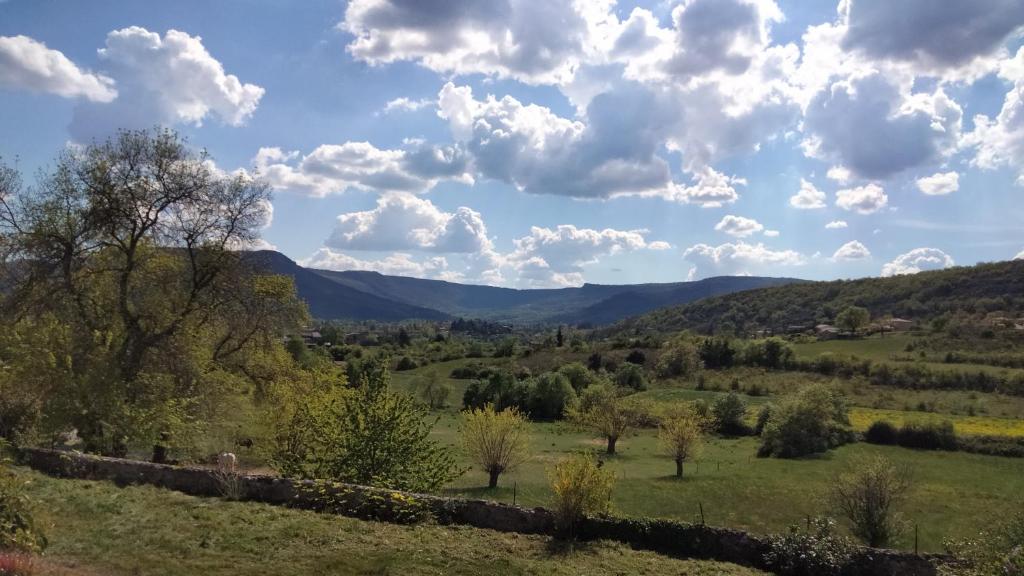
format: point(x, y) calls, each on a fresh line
point(27, 64)
point(334, 168)
point(771, 233)
point(532, 41)
point(556, 257)
point(836, 225)
point(711, 189)
point(738, 226)
point(659, 245)
point(398, 264)
point(404, 104)
point(739, 258)
point(1019, 256)
point(862, 199)
point(939, 184)
point(873, 129)
point(808, 198)
point(164, 80)
point(840, 174)
point(851, 251)
point(1000, 141)
point(402, 221)
point(917, 260)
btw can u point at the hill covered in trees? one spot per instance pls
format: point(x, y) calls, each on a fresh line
point(985, 288)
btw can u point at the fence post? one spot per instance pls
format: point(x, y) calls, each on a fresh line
point(915, 540)
point(515, 488)
point(702, 522)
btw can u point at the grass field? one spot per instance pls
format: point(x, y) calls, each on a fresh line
point(98, 529)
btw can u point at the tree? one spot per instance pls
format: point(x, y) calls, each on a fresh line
point(550, 395)
point(853, 318)
point(681, 437)
point(630, 376)
point(559, 338)
point(728, 412)
point(434, 392)
point(636, 357)
point(365, 435)
point(601, 409)
point(578, 374)
point(679, 359)
point(497, 441)
point(814, 420)
point(581, 487)
point(869, 495)
point(131, 247)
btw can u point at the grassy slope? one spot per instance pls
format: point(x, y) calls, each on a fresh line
point(97, 528)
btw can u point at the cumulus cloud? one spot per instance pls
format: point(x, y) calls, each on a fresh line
point(931, 35)
point(939, 184)
point(851, 251)
point(866, 199)
point(557, 256)
point(808, 198)
point(402, 221)
point(27, 64)
point(531, 41)
point(398, 264)
point(738, 226)
point(771, 233)
point(840, 174)
point(739, 258)
point(836, 225)
point(1000, 141)
point(917, 260)
point(870, 127)
point(164, 80)
point(334, 168)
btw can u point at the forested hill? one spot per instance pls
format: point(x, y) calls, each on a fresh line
point(920, 297)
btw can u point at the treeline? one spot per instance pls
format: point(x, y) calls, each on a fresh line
point(925, 296)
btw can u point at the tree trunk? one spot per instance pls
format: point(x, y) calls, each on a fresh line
point(611, 444)
point(493, 482)
point(679, 467)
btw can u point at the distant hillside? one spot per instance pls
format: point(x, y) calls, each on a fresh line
point(327, 299)
point(923, 296)
point(361, 295)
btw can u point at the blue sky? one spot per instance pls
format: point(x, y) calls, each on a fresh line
point(549, 143)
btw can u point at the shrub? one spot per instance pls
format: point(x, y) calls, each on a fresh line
point(813, 421)
point(869, 495)
point(992, 445)
point(816, 550)
point(497, 441)
point(681, 437)
point(435, 393)
point(636, 357)
point(549, 396)
point(405, 363)
point(927, 436)
point(881, 432)
point(578, 374)
point(631, 376)
point(717, 352)
point(581, 487)
point(728, 412)
point(679, 359)
point(18, 530)
point(994, 552)
point(762, 419)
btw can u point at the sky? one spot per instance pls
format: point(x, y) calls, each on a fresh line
point(546, 143)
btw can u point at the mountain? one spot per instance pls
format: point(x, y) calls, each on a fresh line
point(365, 295)
point(327, 299)
point(983, 288)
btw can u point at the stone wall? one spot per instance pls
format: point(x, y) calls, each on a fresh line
point(665, 536)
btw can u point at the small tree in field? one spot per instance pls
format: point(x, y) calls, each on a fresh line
point(679, 359)
point(601, 409)
point(434, 392)
point(681, 438)
point(581, 487)
point(853, 318)
point(869, 496)
point(497, 441)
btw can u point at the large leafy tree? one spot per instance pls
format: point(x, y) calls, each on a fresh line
point(127, 253)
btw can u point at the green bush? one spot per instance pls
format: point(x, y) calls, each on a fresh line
point(18, 530)
point(631, 376)
point(927, 436)
point(406, 363)
point(679, 360)
point(881, 432)
point(578, 374)
point(813, 421)
point(581, 487)
point(728, 412)
point(816, 550)
point(550, 395)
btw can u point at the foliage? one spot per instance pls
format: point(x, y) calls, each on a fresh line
point(998, 551)
point(812, 421)
point(602, 410)
point(853, 318)
point(496, 441)
point(549, 396)
point(881, 432)
point(636, 357)
point(18, 529)
point(367, 435)
point(681, 437)
point(728, 412)
point(578, 374)
point(631, 376)
point(405, 363)
point(927, 436)
point(435, 393)
point(126, 256)
point(679, 359)
point(771, 353)
point(817, 550)
point(869, 495)
point(717, 352)
point(581, 487)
